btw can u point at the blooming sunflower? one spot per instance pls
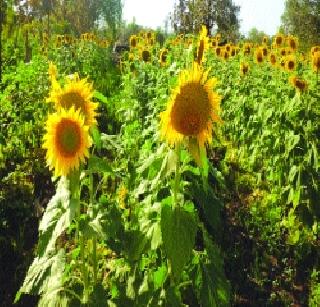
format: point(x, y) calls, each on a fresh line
point(292, 42)
point(290, 62)
point(163, 57)
point(133, 41)
point(67, 141)
point(300, 84)
point(279, 39)
point(145, 55)
point(259, 55)
point(273, 59)
point(203, 45)
point(191, 110)
point(78, 93)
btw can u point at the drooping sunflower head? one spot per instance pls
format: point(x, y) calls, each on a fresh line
point(67, 141)
point(316, 61)
point(290, 62)
point(299, 84)
point(76, 93)
point(192, 108)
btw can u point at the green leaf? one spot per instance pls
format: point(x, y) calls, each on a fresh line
point(57, 218)
point(44, 276)
point(98, 165)
point(159, 277)
point(178, 228)
point(100, 97)
point(96, 137)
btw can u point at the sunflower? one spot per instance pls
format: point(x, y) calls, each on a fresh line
point(300, 84)
point(246, 49)
point(163, 57)
point(214, 43)
point(259, 55)
point(67, 141)
point(316, 61)
point(133, 41)
point(78, 93)
point(203, 45)
point(244, 68)
point(290, 63)
point(191, 110)
point(145, 55)
point(292, 42)
point(265, 40)
point(279, 39)
point(273, 59)
point(218, 51)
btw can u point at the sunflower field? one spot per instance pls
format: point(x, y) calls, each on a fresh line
point(181, 172)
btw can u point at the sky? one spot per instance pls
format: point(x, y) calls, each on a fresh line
point(262, 14)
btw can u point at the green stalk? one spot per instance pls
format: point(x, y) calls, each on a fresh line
point(74, 178)
point(94, 240)
point(176, 186)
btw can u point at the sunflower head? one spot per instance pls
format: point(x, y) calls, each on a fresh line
point(299, 84)
point(67, 141)
point(273, 59)
point(133, 41)
point(292, 42)
point(145, 55)
point(76, 93)
point(279, 39)
point(258, 55)
point(191, 110)
point(290, 63)
point(163, 57)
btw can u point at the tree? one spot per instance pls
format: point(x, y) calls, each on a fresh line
point(218, 15)
point(256, 36)
point(302, 19)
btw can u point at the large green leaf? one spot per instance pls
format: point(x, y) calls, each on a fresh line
point(56, 219)
point(178, 227)
point(44, 276)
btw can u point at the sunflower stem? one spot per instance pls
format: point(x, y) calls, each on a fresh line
point(177, 177)
point(74, 178)
point(94, 240)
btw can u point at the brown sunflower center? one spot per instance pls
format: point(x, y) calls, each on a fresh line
point(291, 65)
point(146, 55)
point(191, 110)
point(67, 100)
point(279, 40)
point(68, 137)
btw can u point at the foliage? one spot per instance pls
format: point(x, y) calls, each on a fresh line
point(220, 16)
point(302, 19)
